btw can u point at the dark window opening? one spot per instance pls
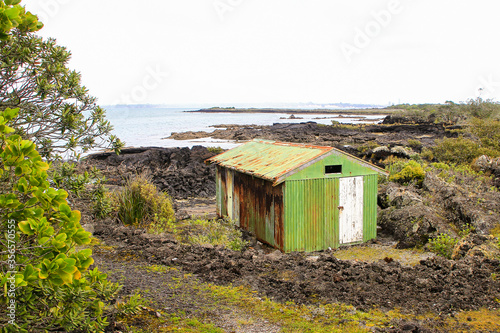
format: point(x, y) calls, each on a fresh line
point(333, 169)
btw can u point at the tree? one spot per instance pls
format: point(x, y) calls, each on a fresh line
point(45, 280)
point(13, 15)
point(57, 113)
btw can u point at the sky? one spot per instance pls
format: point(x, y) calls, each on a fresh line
point(266, 52)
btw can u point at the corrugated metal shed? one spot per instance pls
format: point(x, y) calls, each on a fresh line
point(298, 197)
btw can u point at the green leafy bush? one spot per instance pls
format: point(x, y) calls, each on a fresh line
point(406, 173)
point(83, 184)
point(43, 273)
point(414, 144)
point(488, 133)
point(443, 245)
point(101, 198)
point(459, 150)
point(13, 15)
point(215, 150)
point(65, 175)
point(140, 203)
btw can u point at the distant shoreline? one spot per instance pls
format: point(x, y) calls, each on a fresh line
point(370, 111)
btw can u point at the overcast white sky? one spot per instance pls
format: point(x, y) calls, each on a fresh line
point(224, 52)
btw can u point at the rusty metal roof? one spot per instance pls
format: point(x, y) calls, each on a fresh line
point(274, 161)
point(268, 159)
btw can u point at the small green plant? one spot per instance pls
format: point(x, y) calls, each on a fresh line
point(414, 143)
point(66, 176)
point(140, 203)
point(427, 154)
point(215, 150)
point(161, 225)
point(131, 306)
point(467, 230)
point(370, 145)
point(102, 206)
point(406, 173)
point(443, 245)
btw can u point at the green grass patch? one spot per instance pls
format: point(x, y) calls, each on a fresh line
point(221, 232)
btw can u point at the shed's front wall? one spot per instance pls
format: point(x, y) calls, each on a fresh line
point(313, 212)
point(317, 170)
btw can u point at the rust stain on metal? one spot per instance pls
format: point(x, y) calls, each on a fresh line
point(260, 207)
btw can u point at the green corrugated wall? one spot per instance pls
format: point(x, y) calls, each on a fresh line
point(370, 190)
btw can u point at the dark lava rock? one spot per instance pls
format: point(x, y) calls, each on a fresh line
point(181, 172)
point(434, 285)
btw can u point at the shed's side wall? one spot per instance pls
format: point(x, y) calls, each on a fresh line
point(311, 214)
point(317, 170)
point(253, 203)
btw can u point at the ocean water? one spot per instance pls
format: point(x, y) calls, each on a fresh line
point(150, 126)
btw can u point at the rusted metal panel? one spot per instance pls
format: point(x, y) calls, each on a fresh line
point(260, 208)
point(311, 217)
point(221, 196)
point(351, 210)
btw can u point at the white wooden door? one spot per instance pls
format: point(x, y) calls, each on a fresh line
point(350, 210)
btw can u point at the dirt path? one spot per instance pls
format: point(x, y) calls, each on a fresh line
point(175, 292)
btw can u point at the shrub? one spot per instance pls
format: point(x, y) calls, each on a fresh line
point(488, 133)
point(140, 203)
point(66, 176)
point(83, 184)
point(406, 173)
point(443, 245)
point(215, 150)
point(414, 144)
point(370, 145)
point(102, 206)
point(427, 154)
point(482, 109)
point(43, 273)
point(459, 150)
